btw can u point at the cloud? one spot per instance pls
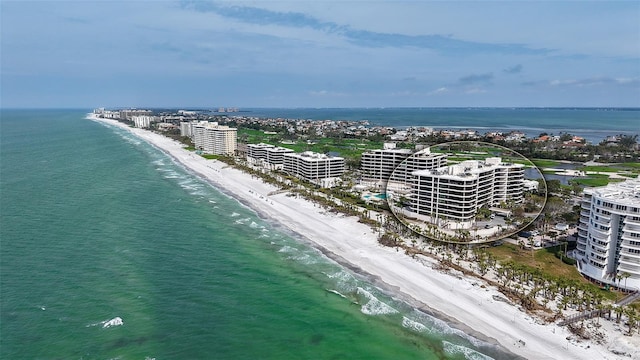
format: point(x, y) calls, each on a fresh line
point(364, 38)
point(438, 91)
point(326, 93)
point(513, 69)
point(476, 78)
point(595, 81)
point(475, 90)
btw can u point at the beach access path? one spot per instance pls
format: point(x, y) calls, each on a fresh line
point(458, 299)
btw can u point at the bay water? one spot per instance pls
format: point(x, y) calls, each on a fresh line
point(594, 124)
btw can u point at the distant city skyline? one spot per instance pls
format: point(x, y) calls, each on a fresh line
point(319, 54)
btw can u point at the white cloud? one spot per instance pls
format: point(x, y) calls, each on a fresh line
point(438, 91)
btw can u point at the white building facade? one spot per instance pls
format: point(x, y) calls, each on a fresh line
point(143, 121)
point(457, 192)
point(608, 239)
point(320, 169)
point(266, 155)
point(378, 165)
point(398, 164)
point(215, 139)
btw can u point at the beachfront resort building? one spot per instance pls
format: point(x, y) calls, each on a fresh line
point(266, 155)
point(457, 192)
point(212, 138)
point(608, 239)
point(128, 114)
point(379, 165)
point(143, 121)
point(319, 169)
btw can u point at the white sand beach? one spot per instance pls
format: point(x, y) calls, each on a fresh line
point(458, 298)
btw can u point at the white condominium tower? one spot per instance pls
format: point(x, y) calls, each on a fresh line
point(456, 192)
point(608, 244)
point(267, 155)
point(211, 138)
point(317, 168)
point(380, 164)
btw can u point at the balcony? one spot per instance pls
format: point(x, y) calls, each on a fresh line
point(629, 254)
point(601, 221)
point(627, 243)
point(631, 262)
point(633, 270)
point(594, 259)
point(600, 234)
point(631, 221)
point(631, 228)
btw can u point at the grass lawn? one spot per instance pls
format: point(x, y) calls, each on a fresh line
point(631, 165)
point(545, 260)
point(545, 163)
point(599, 168)
point(594, 180)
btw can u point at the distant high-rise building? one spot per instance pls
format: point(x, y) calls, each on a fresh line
point(212, 138)
point(127, 114)
point(143, 121)
point(608, 243)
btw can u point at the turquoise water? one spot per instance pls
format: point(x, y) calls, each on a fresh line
point(377, 196)
point(98, 225)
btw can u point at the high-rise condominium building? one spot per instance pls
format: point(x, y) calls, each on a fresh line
point(267, 155)
point(212, 138)
point(317, 168)
point(379, 165)
point(608, 246)
point(457, 191)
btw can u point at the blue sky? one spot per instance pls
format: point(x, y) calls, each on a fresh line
point(319, 53)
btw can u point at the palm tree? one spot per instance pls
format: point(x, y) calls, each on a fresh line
point(625, 275)
point(618, 310)
point(631, 317)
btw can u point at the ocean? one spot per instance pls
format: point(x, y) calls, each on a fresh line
point(594, 124)
point(110, 250)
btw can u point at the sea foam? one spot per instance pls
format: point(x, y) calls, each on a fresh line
point(116, 321)
point(468, 353)
point(374, 306)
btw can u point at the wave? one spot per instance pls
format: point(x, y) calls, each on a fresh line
point(470, 354)
point(337, 293)
point(242, 221)
point(374, 306)
point(116, 321)
point(414, 325)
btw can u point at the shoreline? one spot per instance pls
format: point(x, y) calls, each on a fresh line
point(455, 299)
